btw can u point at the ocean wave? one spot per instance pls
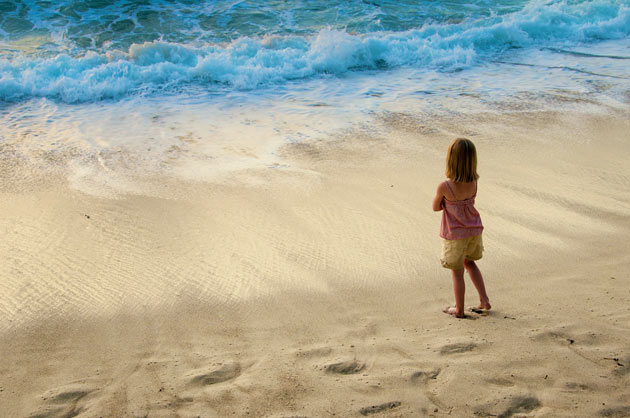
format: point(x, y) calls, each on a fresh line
point(254, 62)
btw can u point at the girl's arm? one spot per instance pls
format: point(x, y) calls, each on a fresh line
point(439, 197)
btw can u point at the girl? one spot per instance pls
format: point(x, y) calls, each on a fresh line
point(461, 224)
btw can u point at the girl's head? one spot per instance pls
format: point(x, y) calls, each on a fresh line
point(461, 161)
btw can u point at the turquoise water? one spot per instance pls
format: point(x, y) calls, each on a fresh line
point(78, 51)
point(83, 80)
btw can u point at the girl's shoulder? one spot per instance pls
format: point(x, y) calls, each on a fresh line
point(444, 186)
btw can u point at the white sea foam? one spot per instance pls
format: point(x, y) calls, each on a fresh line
point(255, 62)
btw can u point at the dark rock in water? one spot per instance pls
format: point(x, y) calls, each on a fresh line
point(125, 25)
point(82, 41)
point(208, 22)
point(379, 408)
point(148, 18)
point(101, 38)
point(346, 367)
point(69, 11)
point(7, 6)
point(16, 25)
point(97, 4)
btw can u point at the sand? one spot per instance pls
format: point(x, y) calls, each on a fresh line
point(315, 290)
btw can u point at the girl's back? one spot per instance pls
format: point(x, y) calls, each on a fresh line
point(461, 191)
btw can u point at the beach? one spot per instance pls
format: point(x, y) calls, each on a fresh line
point(314, 288)
point(224, 208)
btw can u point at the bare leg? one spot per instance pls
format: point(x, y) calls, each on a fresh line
point(477, 279)
point(459, 288)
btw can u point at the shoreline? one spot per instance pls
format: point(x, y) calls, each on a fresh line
point(236, 297)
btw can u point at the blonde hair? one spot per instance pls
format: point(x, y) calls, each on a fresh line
point(461, 161)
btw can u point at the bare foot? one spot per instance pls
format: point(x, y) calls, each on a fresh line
point(453, 311)
point(484, 306)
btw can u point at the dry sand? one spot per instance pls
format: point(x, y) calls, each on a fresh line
point(316, 290)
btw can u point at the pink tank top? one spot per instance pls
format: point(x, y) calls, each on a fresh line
point(460, 219)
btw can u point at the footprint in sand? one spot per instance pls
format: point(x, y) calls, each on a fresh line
point(422, 377)
point(616, 412)
point(520, 404)
point(314, 352)
point(345, 367)
point(558, 337)
point(501, 381)
point(622, 366)
point(62, 403)
point(379, 408)
point(223, 374)
point(573, 386)
point(457, 348)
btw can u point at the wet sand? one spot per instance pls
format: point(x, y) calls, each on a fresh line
point(315, 289)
